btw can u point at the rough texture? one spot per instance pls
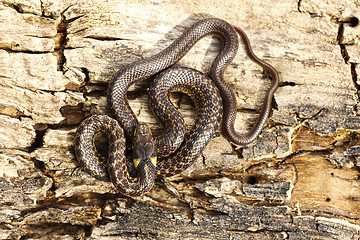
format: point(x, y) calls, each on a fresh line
point(299, 180)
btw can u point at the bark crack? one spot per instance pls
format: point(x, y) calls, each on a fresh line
point(352, 22)
point(354, 77)
point(17, 8)
point(62, 39)
point(287, 83)
point(62, 36)
point(8, 49)
point(105, 38)
point(299, 6)
point(40, 130)
point(301, 118)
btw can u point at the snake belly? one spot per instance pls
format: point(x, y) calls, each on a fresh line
point(177, 151)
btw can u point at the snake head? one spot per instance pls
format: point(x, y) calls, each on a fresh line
point(144, 149)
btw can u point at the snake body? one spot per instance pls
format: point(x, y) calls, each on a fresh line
point(176, 151)
point(115, 170)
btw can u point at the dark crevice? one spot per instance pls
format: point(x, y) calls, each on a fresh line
point(38, 164)
point(274, 104)
point(211, 212)
point(354, 76)
point(42, 168)
point(343, 50)
point(238, 151)
point(251, 180)
point(43, 14)
point(86, 73)
point(4, 76)
point(286, 83)
point(23, 51)
point(88, 230)
point(40, 130)
point(17, 8)
point(302, 119)
point(340, 35)
point(37, 36)
point(79, 31)
point(42, 9)
point(105, 38)
point(62, 36)
point(203, 160)
point(314, 15)
point(352, 22)
point(82, 88)
point(52, 92)
point(299, 6)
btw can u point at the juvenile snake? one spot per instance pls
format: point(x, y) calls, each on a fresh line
point(176, 151)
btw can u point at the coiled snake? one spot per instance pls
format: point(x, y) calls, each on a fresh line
point(176, 151)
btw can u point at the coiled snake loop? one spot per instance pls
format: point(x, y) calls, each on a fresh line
point(176, 151)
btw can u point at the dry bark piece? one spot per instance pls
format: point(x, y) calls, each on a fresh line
point(300, 180)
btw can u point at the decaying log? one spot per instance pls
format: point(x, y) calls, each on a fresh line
point(299, 180)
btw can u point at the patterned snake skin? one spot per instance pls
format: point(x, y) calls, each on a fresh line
point(176, 151)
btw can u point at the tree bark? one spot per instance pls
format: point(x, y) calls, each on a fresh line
point(299, 180)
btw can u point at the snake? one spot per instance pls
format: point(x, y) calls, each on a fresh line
point(174, 150)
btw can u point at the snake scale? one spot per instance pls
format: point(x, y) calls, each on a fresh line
point(213, 98)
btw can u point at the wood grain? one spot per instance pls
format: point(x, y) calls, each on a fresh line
point(299, 180)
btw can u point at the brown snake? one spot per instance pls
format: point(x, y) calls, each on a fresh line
point(176, 151)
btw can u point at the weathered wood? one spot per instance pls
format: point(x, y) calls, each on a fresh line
point(299, 180)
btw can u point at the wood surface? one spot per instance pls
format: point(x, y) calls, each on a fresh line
point(299, 180)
